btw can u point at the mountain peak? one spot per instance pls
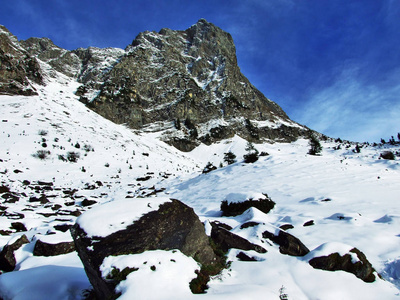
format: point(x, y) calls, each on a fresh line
point(169, 76)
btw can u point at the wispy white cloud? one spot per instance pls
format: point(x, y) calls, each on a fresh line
point(352, 109)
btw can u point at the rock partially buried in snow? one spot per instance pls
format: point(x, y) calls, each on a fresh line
point(133, 226)
point(49, 249)
point(288, 244)
point(7, 258)
point(340, 257)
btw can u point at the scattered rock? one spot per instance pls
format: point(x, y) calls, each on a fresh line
point(45, 183)
point(56, 207)
point(46, 249)
point(244, 257)
point(10, 197)
point(145, 178)
point(18, 226)
point(227, 240)
point(87, 202)
point(63, 227)
point(288, 244)
point(334, 262)
point(173, 226)
point(387, 155)
point(286, 227)
point(7, 258)
point(249, 224)
point(4, 189)
point(308, 223)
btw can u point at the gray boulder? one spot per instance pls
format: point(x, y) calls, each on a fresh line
point(173, 226)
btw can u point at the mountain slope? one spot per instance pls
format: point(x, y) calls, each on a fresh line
point(58, 158)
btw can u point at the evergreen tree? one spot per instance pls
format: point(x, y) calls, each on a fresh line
point(252, 153)
point(230, 157)
point(315, 145)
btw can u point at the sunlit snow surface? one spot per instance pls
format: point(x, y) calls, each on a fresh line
point(353, 199)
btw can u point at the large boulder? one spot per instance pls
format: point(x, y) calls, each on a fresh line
point(339, 257)
point(133, 226)
point(288, 244)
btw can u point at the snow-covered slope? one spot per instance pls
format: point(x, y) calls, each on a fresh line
point(56, 153)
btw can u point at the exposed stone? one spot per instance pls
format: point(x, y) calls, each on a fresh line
point(87, 202)
point(227, 240)
point(249, 224)
point(7, 258)
point(288, 244)
point(309, 223)
point(4, 189)
point(286, 227)
point(173, 226)
point(63, 227)
point(47, 249)
point(334, 262)
point(18, 226)
point(244, 257)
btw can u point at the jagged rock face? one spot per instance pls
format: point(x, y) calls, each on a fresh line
point(190, 76)
point(60, 59)
point(18, 69)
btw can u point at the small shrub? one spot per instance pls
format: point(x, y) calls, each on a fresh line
point(208, 168)
point(73, 156)
point(77, 146)
point(62, 157)
point(107, 165)
point(41, 154)
point(237, 208)
point(252, 153)
point(88, 148)
point(43, 132)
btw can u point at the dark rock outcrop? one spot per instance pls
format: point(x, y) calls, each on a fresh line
point(7, 258)
point(201, 81)
point(335, 262)
point(47, 249)
point(17, 69)
point(173, 226)
point(288, 244)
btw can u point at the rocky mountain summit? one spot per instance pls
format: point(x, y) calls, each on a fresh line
point(186, 85)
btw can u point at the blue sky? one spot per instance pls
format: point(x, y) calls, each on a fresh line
point(331, 65)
